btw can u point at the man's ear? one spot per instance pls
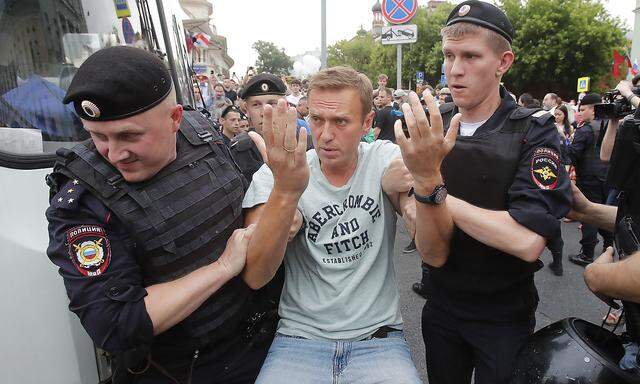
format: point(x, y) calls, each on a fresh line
point(368, 122)
point(176, 117)
point(506, 60)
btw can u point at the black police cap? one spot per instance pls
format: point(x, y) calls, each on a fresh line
point(590, 99)
point(263, 84)
point(483, 14)
point(118, 82)
point(229, 109)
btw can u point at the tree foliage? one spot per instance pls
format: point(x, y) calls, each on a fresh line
point(556, 42)
point(559, 41)
point(272, 59)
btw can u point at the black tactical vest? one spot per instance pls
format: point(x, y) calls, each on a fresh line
point(590, 164)
point(180, 219)
point(480, 170)
point(624, 175)
point(246, 155)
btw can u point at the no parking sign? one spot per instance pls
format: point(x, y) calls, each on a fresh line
point(399, 11)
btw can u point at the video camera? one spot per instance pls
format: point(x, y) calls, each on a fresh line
point(615, 105)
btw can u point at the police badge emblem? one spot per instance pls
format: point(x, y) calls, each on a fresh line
point(90, 109)
point(89, 249)
point(545, 168)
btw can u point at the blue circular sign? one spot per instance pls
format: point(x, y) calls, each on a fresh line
point(399, 11)
point(127, 31)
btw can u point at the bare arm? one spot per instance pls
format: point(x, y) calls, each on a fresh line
point(169, 303)
point(434, 229)
point(275, 218)
point(585, 211)
point(609, 139)
point(496, 229)
point(423, 153)
point(620, 280)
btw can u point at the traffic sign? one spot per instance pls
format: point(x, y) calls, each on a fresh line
point(127, 31)
point(583, 84)
point(122, 8)
point(399, 11)
point(399, 34)
point(419, 77)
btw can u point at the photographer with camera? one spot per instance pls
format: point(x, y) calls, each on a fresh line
point(584, 154)
point(626, 90)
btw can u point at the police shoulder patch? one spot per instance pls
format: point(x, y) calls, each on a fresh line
point(545, 167)
point(89, 249)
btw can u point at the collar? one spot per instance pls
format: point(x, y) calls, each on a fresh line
point(507, 105)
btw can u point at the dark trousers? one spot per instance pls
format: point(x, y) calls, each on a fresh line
point(455, 347)
point(595, 190)
point(425, 274)
point(240, 365)
point(555, 245)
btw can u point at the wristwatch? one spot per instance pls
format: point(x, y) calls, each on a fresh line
point(435, 198)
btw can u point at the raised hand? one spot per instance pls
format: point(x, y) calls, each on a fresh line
point(286, 155)
point(427, 145)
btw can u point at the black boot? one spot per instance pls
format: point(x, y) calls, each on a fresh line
point(583, 258)
point(419, 289)
point(556, 265)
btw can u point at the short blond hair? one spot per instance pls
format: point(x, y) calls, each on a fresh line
point(343, 77)
point(457, 31)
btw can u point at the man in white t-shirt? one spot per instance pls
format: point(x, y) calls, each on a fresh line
point(295, 94)
point(339, 309)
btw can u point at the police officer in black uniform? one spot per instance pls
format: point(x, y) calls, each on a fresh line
point(260, 90)
point(507, 190)
point(591, 173)
point(145, 227)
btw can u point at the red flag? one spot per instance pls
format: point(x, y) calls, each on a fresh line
point(617, 60)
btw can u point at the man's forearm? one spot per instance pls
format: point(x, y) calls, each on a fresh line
point(599, 215)
point(434, 228)
point(619, 280)
point(169, 303)
point(269, 241)
point(496, 229)
point(606, 148)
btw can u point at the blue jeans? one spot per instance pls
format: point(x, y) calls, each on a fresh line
point(303, 361)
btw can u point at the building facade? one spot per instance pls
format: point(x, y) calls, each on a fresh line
point(212, 57)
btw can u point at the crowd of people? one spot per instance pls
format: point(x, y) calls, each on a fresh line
point(196, 250)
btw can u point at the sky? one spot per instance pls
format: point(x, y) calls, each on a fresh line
point(295, 25)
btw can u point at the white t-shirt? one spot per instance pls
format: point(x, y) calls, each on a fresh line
point(339, 273)
point(468, 129)
point(291, 99)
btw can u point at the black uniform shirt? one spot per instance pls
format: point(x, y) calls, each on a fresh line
point(582, 139)
point(96, 259)
point(534, 207)
point(476, 282)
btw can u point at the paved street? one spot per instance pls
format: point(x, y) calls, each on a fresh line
point(560, 297)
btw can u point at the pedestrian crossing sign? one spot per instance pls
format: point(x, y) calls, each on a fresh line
point(583, 84)
point(122, 9)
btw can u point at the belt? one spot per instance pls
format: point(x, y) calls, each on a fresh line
point(381, 333)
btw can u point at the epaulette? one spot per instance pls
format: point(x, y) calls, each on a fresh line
point(447, 107)
point(68, 196)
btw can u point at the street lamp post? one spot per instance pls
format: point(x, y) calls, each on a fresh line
point(323, 33)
